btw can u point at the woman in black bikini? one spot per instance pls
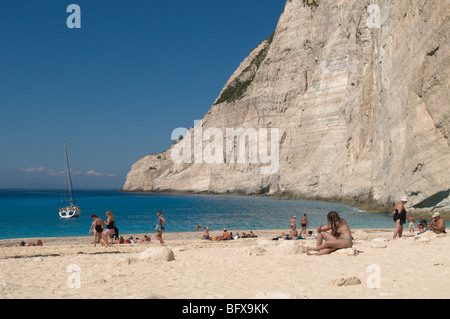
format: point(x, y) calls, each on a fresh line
point(400, 217)
point(97, 227)
point(339, 237)
point(110, 228)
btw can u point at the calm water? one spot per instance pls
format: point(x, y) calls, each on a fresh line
point(34, 213)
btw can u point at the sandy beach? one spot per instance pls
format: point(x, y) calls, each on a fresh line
point(187, 267)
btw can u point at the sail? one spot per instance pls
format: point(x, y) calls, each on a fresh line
point(73, 209)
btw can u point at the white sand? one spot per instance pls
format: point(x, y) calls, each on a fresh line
point(239, 269)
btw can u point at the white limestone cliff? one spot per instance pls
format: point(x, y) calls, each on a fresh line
point(362, 112)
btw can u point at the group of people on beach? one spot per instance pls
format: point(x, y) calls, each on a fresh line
point(437, 224)
point(102, 234)
point(131, 240)
point(107, 231)
point(225, 235)
point(293, 233)
point(339, 235)
point(331, 237)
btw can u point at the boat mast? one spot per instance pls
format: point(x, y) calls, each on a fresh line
point(70, 177)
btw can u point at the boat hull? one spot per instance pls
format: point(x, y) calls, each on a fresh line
point(69, 212)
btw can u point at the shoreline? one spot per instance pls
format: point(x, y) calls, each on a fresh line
point(368, 206)
point(168, 237)
point(281, 196)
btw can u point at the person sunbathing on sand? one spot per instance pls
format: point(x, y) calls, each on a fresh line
point(339, 237)
point(38, 243)
point(145, 240)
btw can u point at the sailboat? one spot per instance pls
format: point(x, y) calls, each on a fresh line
point(69, 207)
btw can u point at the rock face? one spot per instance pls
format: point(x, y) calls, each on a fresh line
point(360, 112)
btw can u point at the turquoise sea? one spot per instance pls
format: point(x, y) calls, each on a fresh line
point(34, 213)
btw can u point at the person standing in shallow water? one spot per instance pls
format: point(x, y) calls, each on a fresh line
point(293, 224)
point(160, 227)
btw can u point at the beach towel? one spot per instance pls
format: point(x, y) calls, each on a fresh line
point(424, 231)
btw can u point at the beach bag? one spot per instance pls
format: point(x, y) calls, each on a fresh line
point(116, 235)
point(158, 224)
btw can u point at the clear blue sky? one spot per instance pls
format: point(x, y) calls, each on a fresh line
point(116, 88)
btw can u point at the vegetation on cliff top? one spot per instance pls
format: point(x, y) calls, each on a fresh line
point(237, 88)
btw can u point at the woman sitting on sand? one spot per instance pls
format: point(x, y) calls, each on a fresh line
point(339, 238)
point(206, 233)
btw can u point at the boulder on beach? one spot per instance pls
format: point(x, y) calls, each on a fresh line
point(157, 254)
point(292, 247)
point(254, 251)
point(348, 251)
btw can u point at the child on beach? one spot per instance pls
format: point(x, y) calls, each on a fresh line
point(422, 224)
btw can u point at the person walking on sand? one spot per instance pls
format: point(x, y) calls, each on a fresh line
point(97, 227)
point(160, 227)
point(338, 238)
point(399, 217)
point(304, 223)
point(411, 222)
point(110, 227)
